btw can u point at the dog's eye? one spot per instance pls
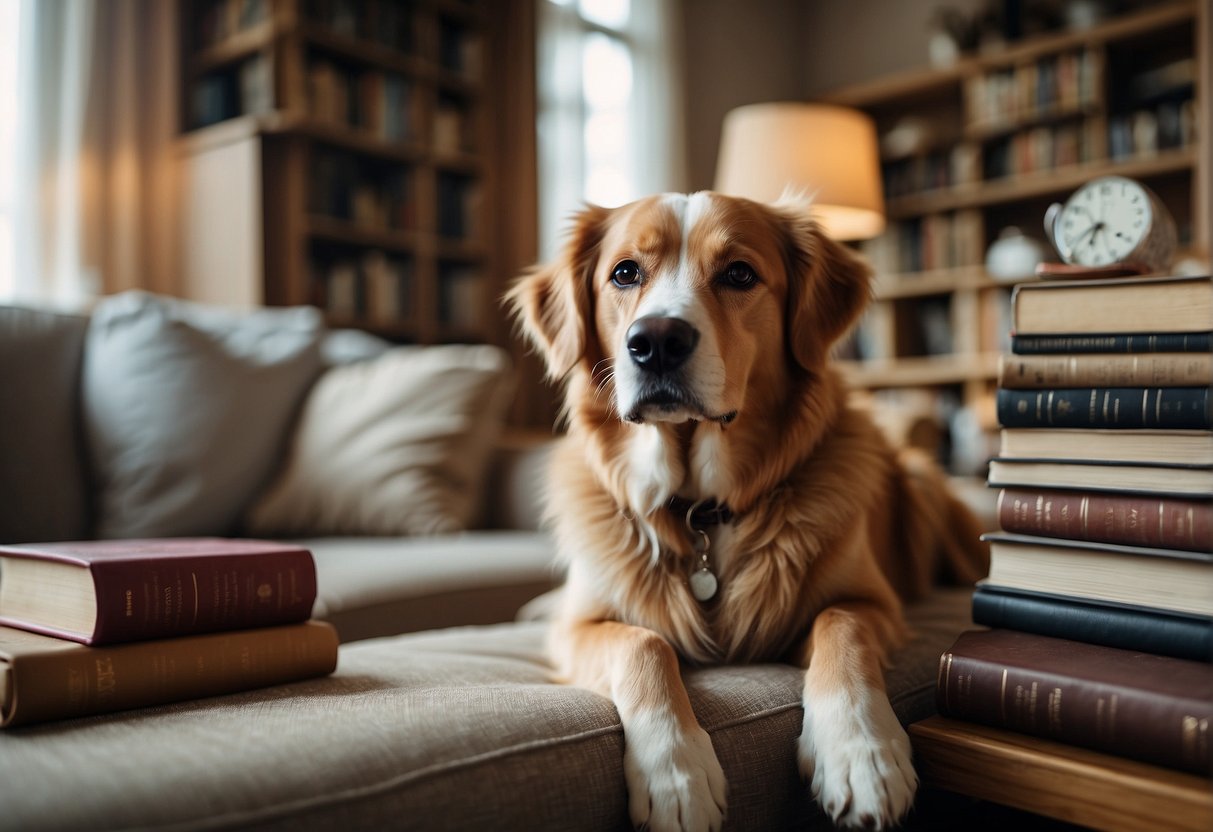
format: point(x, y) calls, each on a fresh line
point(738, 276)
point(626, 274)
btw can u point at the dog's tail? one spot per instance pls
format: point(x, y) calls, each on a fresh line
point(944, 529)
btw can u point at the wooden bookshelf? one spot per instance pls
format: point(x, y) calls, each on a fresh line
point(362, 135)
point(1059, 781)
point(992, 141)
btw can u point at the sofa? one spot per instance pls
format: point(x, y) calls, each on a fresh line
point(157, 417)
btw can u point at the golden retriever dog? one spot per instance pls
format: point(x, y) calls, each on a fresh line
point(716, 499)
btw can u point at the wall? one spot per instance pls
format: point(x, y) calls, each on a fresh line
point(847, 41)
point(778, 50)
point(735, 53)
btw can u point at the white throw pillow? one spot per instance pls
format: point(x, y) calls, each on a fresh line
point(396, 445)
point(187, 409)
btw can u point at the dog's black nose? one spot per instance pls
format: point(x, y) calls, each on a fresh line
point(658, 345)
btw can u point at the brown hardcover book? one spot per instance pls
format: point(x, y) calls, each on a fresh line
point(1163, 579)
point(1151, 708)
point(1149, 447)
point(1161, 369)
point(1128, 305)
point(1134, 520)
point(112, 591)
point(44, 678)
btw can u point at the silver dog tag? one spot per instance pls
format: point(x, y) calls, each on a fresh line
point(703, 584)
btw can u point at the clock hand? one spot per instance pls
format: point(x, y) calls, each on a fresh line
point(1073, 243)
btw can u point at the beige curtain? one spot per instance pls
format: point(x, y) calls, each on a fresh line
point(128, 179)
point(96, 125)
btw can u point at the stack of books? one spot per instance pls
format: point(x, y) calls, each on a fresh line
point(1100, 592)
point(98, 626)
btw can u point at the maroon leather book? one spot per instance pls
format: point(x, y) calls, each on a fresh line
point(1133, 520)
point(112, 591)
point(1138, 705)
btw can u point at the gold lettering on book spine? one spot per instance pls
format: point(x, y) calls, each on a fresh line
point(1002, 697)
point(1055, 710)
point(1195, 739)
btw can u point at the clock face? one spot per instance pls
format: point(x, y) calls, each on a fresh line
point(1103, 222)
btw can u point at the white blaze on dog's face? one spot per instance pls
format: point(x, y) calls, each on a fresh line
point(688, 291)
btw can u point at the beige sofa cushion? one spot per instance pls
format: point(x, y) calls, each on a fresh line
point(460, 729)
point(379, 586)
point(391, 446)
point(42, 476)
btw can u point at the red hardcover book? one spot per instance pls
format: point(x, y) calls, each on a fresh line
point(1133, 520)
point(1138, 705)
point(112, 591)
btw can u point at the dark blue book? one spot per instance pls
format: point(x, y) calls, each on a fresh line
point(1162, 342)
point(1106, 407)
point(1128, 627)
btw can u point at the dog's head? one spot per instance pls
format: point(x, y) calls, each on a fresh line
point(683, 306)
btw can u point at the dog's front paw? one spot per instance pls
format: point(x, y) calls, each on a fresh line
point(674, 779)
point(858, 761)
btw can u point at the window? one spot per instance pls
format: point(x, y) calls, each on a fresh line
point(9, 19)
point(607, 123)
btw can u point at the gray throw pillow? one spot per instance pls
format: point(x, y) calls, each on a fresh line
point(187, 409)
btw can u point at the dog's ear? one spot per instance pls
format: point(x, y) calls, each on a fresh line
point(553, 303)
point(828, 287)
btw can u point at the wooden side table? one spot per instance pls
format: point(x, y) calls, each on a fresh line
point(1058, 781)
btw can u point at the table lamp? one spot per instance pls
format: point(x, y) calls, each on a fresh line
point(827, 152)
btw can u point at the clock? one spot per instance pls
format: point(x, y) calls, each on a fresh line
point(1113, 221)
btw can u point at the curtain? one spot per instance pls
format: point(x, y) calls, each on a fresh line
point(94, 167)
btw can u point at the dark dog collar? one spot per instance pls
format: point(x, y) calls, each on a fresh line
point(700, 515)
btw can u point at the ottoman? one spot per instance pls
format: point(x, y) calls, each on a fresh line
point(448, 729)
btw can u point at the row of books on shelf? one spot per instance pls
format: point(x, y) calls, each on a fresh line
point(378, 288)
point(1168, 126)
point(100, 626)
point(1099, 593)
point(385, 22)
point(1046, 148)
point(935, 241)
point(939, 169)
point(1067, 83)
point(345, 187)
point(246, 88)
point(221, 19)
point(375, 287)
point(379, 103)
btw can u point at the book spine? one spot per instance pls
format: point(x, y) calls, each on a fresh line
point(1131, 520)
point(1163, 342)
point(1135, 723)
point(148, 599)
point(1106, 407)
point(82, 681)
point(1124, 627)
point(1136, 370)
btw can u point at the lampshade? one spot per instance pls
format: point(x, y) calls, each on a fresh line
point(827, 152)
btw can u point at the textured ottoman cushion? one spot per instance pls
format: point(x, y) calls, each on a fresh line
point(458, 729)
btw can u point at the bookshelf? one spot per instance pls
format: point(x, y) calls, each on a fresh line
point(989, 143)
point(360, 138)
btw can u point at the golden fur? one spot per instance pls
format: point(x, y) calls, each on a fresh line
point(832, 529)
